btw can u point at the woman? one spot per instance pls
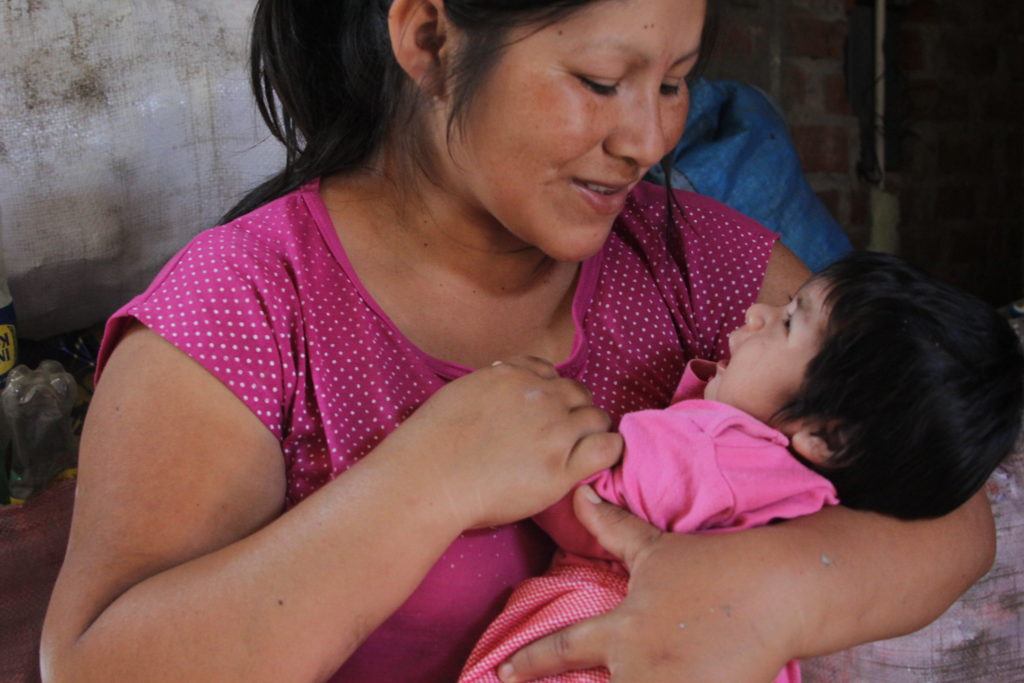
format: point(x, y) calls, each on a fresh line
point(451, 198)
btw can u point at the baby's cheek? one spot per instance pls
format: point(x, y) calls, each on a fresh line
point(711, 390)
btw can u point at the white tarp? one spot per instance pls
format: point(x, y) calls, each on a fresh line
point(126, 127)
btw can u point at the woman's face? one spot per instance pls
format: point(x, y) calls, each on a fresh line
point(570, 119)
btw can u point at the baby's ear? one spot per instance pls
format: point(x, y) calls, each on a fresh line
point(808, 441)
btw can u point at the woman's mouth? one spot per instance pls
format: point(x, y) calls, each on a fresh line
point(604, 198)
point(603, 189)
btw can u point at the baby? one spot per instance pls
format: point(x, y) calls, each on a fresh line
point(875, 384)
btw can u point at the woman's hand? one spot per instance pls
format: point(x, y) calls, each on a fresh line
point(507, 441)
point(693, 613)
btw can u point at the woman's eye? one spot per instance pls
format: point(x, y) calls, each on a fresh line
point(599, 88)
point(669, 89)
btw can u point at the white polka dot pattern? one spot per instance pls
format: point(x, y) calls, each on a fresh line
point(649, 316)
point(270, 306)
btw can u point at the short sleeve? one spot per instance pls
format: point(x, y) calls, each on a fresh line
point(228, 302)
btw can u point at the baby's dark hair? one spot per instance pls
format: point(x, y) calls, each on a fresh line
point(919, 386)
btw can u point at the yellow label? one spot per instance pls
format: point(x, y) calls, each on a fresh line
point(8, 348)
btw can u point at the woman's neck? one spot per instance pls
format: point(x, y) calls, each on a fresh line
point(457, 285)
point(427, 229)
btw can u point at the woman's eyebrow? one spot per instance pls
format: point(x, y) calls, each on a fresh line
point(689, 55)
point(637, 56)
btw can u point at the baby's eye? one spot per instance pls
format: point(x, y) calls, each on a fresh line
point(599, 88)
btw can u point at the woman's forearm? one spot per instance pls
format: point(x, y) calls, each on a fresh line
point(736, 607)
point(289, 602)
point(863, 577)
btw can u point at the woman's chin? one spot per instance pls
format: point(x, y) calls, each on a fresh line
point(572, 256)
point(585, 245)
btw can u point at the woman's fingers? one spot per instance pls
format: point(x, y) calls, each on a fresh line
point(588, 419)
point(575, 393)
point(579, 396)
point(512, 439)
point(596, 448)
point(596, 451)
point(580, 646)
point(618, 531)
point(539, 366)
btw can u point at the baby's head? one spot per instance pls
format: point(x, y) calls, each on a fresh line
point(903, 391)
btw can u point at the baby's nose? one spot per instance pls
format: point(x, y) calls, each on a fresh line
point(756, 317)
point(753, 321)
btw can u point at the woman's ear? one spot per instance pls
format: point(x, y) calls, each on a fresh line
point(808, 442)
point(419, 31)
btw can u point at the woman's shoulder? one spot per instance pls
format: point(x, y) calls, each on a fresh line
point(647, 204)
point(256, 262)
point(231, 299)
point(274, 247)
point(697, 261)
point(274, 229)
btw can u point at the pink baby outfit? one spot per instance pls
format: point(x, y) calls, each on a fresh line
point(694, 466)
point(271, 306)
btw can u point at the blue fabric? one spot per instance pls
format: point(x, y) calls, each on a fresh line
point(737, 150)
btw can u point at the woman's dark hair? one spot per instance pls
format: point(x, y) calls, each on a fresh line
point(920, 387)
point(329, 88)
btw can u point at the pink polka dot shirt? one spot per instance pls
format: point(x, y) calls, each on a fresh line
point(270, 305)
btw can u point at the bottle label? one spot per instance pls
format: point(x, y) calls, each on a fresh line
point(8, 341)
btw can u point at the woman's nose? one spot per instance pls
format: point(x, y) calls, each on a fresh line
point(640, 136)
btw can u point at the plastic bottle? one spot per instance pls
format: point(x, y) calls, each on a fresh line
point(37, 405)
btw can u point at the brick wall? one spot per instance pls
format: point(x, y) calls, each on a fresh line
point(960, 172)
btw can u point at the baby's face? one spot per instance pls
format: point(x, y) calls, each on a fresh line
point(770, 353)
